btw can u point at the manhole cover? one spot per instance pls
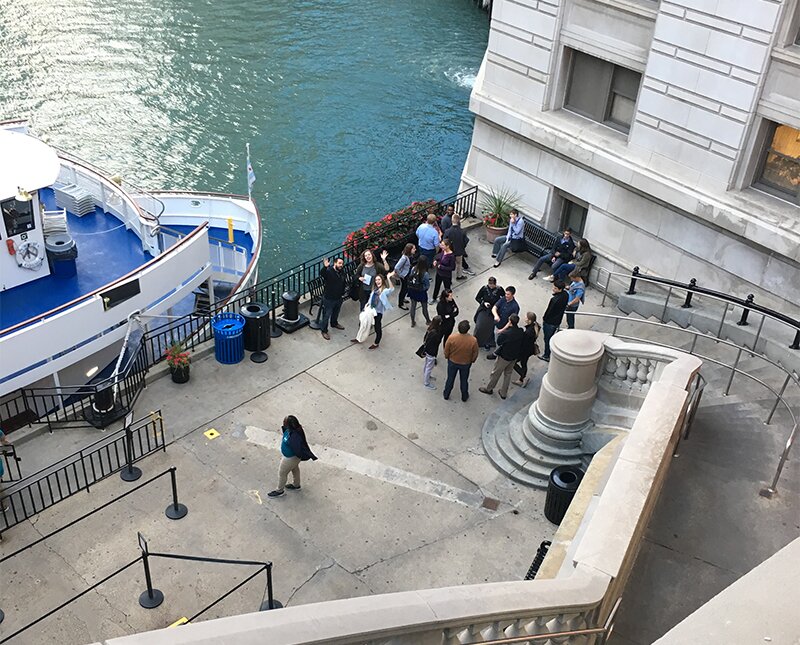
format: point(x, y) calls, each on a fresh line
point(490, 503)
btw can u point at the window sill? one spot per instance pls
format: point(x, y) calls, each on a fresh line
point(789, 54)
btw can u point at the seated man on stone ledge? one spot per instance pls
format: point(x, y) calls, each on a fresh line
point(561, 252)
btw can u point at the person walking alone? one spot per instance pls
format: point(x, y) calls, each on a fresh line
point(294, 449)
point(553, 316)
point(332, 293)
point(461, 351)
point(509, 350)
point(401, 270)
point(418, 284)
point(432, 340)
point(529, 348)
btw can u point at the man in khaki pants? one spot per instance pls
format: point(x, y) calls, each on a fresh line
point(510, 343)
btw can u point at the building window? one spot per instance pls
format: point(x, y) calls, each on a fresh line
point(573, 217)
point(602, 91)
point(780, 167)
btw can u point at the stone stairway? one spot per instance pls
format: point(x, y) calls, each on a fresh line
point(711, 526)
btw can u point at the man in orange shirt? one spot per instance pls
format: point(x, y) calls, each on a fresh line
point(461, 351)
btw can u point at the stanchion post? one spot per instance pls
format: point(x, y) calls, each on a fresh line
point(270, 602)
point(274, 331)
point(632, 288)
point(2, 616)
point(150, 598)
point(746, 311)
point(796, 343)
point(130, 473)
point(175, 511)
point(687, 304)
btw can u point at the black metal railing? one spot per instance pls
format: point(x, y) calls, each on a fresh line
point(10, 464)
point(81, 470)
point(73, 405)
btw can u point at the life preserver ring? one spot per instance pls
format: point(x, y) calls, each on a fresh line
point(30, 255)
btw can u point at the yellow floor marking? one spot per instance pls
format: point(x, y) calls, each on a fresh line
point(211, 433)
point(180, 621)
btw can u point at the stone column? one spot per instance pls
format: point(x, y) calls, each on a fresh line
point(560, 415)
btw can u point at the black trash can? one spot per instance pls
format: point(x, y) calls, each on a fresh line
point(291, 305)
point(256, 327)
point(564, 481)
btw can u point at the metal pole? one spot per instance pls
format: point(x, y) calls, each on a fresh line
point(270, 602)
point(632, 288)
point(733, 371)
point(794, 345)
point(175, 511)
point(777, 400)
point(722, 321)
point(758, 333)
point(743, 320)
point(151, 598)
point(771, 490)
point(130, 473)
point(605, 291)
point(614, 331)
point(275, 331)
point(687, 304)
point(666, 305)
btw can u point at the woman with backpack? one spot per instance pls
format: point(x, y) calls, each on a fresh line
point(402, 270)
point(294, 449)
point(431, 342)
point(418, 284)
point(529, 348)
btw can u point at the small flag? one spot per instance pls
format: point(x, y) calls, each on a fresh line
point(251, 176)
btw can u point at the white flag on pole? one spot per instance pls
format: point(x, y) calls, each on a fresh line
point(251, 176)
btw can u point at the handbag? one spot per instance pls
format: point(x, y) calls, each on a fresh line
point(355, 290)
point(518, 245)
point(421, 351)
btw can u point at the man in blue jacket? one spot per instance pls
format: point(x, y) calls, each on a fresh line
point(561, 252)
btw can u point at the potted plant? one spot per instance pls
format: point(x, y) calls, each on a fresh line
point(178, 361)
point(497, 206)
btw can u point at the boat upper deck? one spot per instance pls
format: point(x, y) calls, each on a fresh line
point(107, 251)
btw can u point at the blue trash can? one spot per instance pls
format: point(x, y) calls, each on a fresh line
point(228, 338)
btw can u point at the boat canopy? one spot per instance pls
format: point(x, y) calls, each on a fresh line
point(26, 163)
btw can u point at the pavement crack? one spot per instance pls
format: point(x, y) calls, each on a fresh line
point(310, 578)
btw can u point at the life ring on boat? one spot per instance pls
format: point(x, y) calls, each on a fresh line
point(30, 255)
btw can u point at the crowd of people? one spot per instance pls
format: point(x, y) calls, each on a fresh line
point(496, 327)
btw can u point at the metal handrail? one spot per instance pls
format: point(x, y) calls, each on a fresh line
point(130, 187)
point(232, 245)
point(767, 491)
point(747, 304)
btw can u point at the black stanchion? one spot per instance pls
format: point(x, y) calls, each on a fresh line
point(687, 304)
point(270, 602)
point(796, 343)
point(2, 616)
point(632, 288)
point(315, 324)
point(149, 598)
point(745, 312)
point(175, 511)
point(274, 331)
point(130, 473)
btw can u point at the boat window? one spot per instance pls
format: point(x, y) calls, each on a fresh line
point(17, 216)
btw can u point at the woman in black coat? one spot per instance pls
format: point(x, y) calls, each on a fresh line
point(531, 333)
point(448, 310)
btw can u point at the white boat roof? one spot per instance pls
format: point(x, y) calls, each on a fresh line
point(25, 162)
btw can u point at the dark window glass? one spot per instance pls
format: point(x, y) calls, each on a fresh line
point(574, 217)
point(602, 91)
point(780, 171)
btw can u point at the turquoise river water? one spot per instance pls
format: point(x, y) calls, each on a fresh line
point(352, 108)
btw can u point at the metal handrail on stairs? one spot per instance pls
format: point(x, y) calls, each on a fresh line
point(747, 305)
point(766, 491)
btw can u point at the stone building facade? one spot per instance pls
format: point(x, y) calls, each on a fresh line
point(666, 133)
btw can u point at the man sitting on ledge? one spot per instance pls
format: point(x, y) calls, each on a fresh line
point(560, 253)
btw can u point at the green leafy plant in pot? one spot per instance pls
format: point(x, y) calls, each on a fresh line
point(496, 207)
point(178, 361)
